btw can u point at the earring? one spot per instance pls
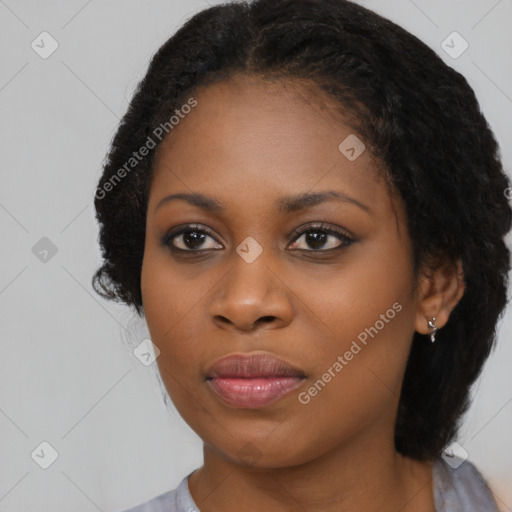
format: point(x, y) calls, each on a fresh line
point(432, 325)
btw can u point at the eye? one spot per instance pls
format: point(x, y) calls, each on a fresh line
point(190, 238)
point(194, 238)
point(317, 237)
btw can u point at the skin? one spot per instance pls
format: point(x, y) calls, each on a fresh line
point(247, 144)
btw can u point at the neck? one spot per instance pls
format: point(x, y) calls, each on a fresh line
point(342, 479)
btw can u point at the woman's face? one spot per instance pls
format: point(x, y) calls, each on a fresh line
point(336, 302)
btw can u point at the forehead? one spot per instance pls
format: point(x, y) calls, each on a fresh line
point(249, 99)
point(256, 138)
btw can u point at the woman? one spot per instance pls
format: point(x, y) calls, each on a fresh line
point(308, 208)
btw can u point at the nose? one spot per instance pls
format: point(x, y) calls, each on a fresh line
point(252, 296)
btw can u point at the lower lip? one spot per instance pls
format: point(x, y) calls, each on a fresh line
point(253, 393)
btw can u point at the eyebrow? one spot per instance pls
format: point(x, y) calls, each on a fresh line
point(287, 204)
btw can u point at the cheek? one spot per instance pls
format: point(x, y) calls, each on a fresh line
point(168, 309)
point(365, 316)
point(162, 309)
point(167, 295)
point(368, 294)
point(175, 315)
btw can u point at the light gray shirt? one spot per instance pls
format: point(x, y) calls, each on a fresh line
point(455, 490)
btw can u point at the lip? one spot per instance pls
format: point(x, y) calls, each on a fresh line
point(253, 380)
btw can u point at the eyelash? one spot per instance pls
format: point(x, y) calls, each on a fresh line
point(321, 227)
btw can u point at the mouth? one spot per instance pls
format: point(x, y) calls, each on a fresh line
point(253, 380)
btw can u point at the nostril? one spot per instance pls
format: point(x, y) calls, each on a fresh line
point(223, 319)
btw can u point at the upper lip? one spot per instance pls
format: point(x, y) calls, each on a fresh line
point(252, 365)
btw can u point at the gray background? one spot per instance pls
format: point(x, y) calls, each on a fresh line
point(67, 372)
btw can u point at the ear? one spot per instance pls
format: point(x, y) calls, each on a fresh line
point(440, 289)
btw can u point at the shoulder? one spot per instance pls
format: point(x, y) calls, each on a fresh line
point(459, 487)
point(177, 500)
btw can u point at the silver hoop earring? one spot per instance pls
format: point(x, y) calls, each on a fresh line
point(432, 325)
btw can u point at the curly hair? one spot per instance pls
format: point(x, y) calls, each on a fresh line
point(417, 114)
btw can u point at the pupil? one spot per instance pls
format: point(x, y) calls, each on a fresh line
point(193, 238)
point(314, 238)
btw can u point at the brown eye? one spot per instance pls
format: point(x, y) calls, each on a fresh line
point(320, 237)
point(191, 238)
